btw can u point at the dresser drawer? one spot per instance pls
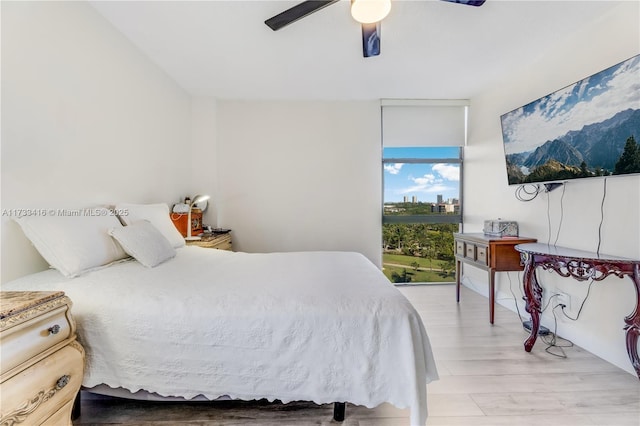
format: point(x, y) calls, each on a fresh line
point(470, 251)
point(30, 338)
point(33, 395)
point(225, 245)
point(481, 255)
point(219, 242)
point(60, 417)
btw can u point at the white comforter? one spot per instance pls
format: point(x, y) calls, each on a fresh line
point(316, 326)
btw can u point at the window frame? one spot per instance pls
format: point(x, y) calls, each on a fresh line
point(427, 218)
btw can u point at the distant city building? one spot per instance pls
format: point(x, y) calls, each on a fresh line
point(406, 199)
point(391, 208)
point(439, 198)
point(448, 207)
point(414, 199)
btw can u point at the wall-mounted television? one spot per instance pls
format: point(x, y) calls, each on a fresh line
point(588, 129)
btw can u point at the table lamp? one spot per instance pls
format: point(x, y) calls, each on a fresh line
point(195, 200)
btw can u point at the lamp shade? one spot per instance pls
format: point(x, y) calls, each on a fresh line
point(199, 198)
point(370, 11)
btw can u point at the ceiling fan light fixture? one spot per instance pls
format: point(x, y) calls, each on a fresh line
point(370, 11)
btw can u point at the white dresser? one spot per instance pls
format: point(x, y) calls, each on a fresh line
point(41, 363)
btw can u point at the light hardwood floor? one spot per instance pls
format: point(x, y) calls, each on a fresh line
point(486, 379)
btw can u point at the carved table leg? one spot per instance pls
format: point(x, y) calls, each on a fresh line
point(75, 412)
point(633, 324)
point(339, 409)
point(458, 275)
point(492, 294)
point(533, 298)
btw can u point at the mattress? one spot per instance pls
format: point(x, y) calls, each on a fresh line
point(316, 326)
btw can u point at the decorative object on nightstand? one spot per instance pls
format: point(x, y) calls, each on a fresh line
point(197, 199)
point(42, 364)
point(218, 241)
point(180, 221)
point(500, 228)
point(193, 207)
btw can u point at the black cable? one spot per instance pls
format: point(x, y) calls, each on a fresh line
point(515, 299)
point(604, 196)
point(581, 305)
point(548, 219)
point(522, 194)
point(553, 342)
point(564, 187)
point(549, 302)
point(550, 297)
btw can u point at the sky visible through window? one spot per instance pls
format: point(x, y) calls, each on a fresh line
point(425, 181)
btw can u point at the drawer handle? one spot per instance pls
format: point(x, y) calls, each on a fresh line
point(54, 329)
point(20, 414)
point(63, 381)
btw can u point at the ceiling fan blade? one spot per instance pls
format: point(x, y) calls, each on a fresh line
point(371, 39)
point(298, 11)
point(468, 2)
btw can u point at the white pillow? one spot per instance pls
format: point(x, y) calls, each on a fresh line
point(76, 241)
point(157, 214)
point(144, 242)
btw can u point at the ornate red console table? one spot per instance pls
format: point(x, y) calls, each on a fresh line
point(581, 265)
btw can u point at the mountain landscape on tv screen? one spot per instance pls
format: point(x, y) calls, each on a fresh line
point(605, 148)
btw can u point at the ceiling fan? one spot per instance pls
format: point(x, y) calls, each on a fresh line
point(368, 12)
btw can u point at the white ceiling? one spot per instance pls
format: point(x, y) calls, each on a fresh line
point(430, 49)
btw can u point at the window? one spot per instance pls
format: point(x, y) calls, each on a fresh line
point(422, 196)
point(421, 211)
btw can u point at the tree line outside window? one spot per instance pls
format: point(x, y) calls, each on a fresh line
point(421, 211)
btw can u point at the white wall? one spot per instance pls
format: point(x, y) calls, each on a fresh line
point(612, 39)
point(86, 119)
point(204, 154)
point(301, 175)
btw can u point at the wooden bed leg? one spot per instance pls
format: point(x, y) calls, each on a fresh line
point(75, 411)
point(339, 409)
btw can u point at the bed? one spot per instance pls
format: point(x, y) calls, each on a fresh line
point(325, 326)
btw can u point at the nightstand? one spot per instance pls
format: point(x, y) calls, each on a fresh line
point(42, 364)
point(214, 241)
point(493, 254)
